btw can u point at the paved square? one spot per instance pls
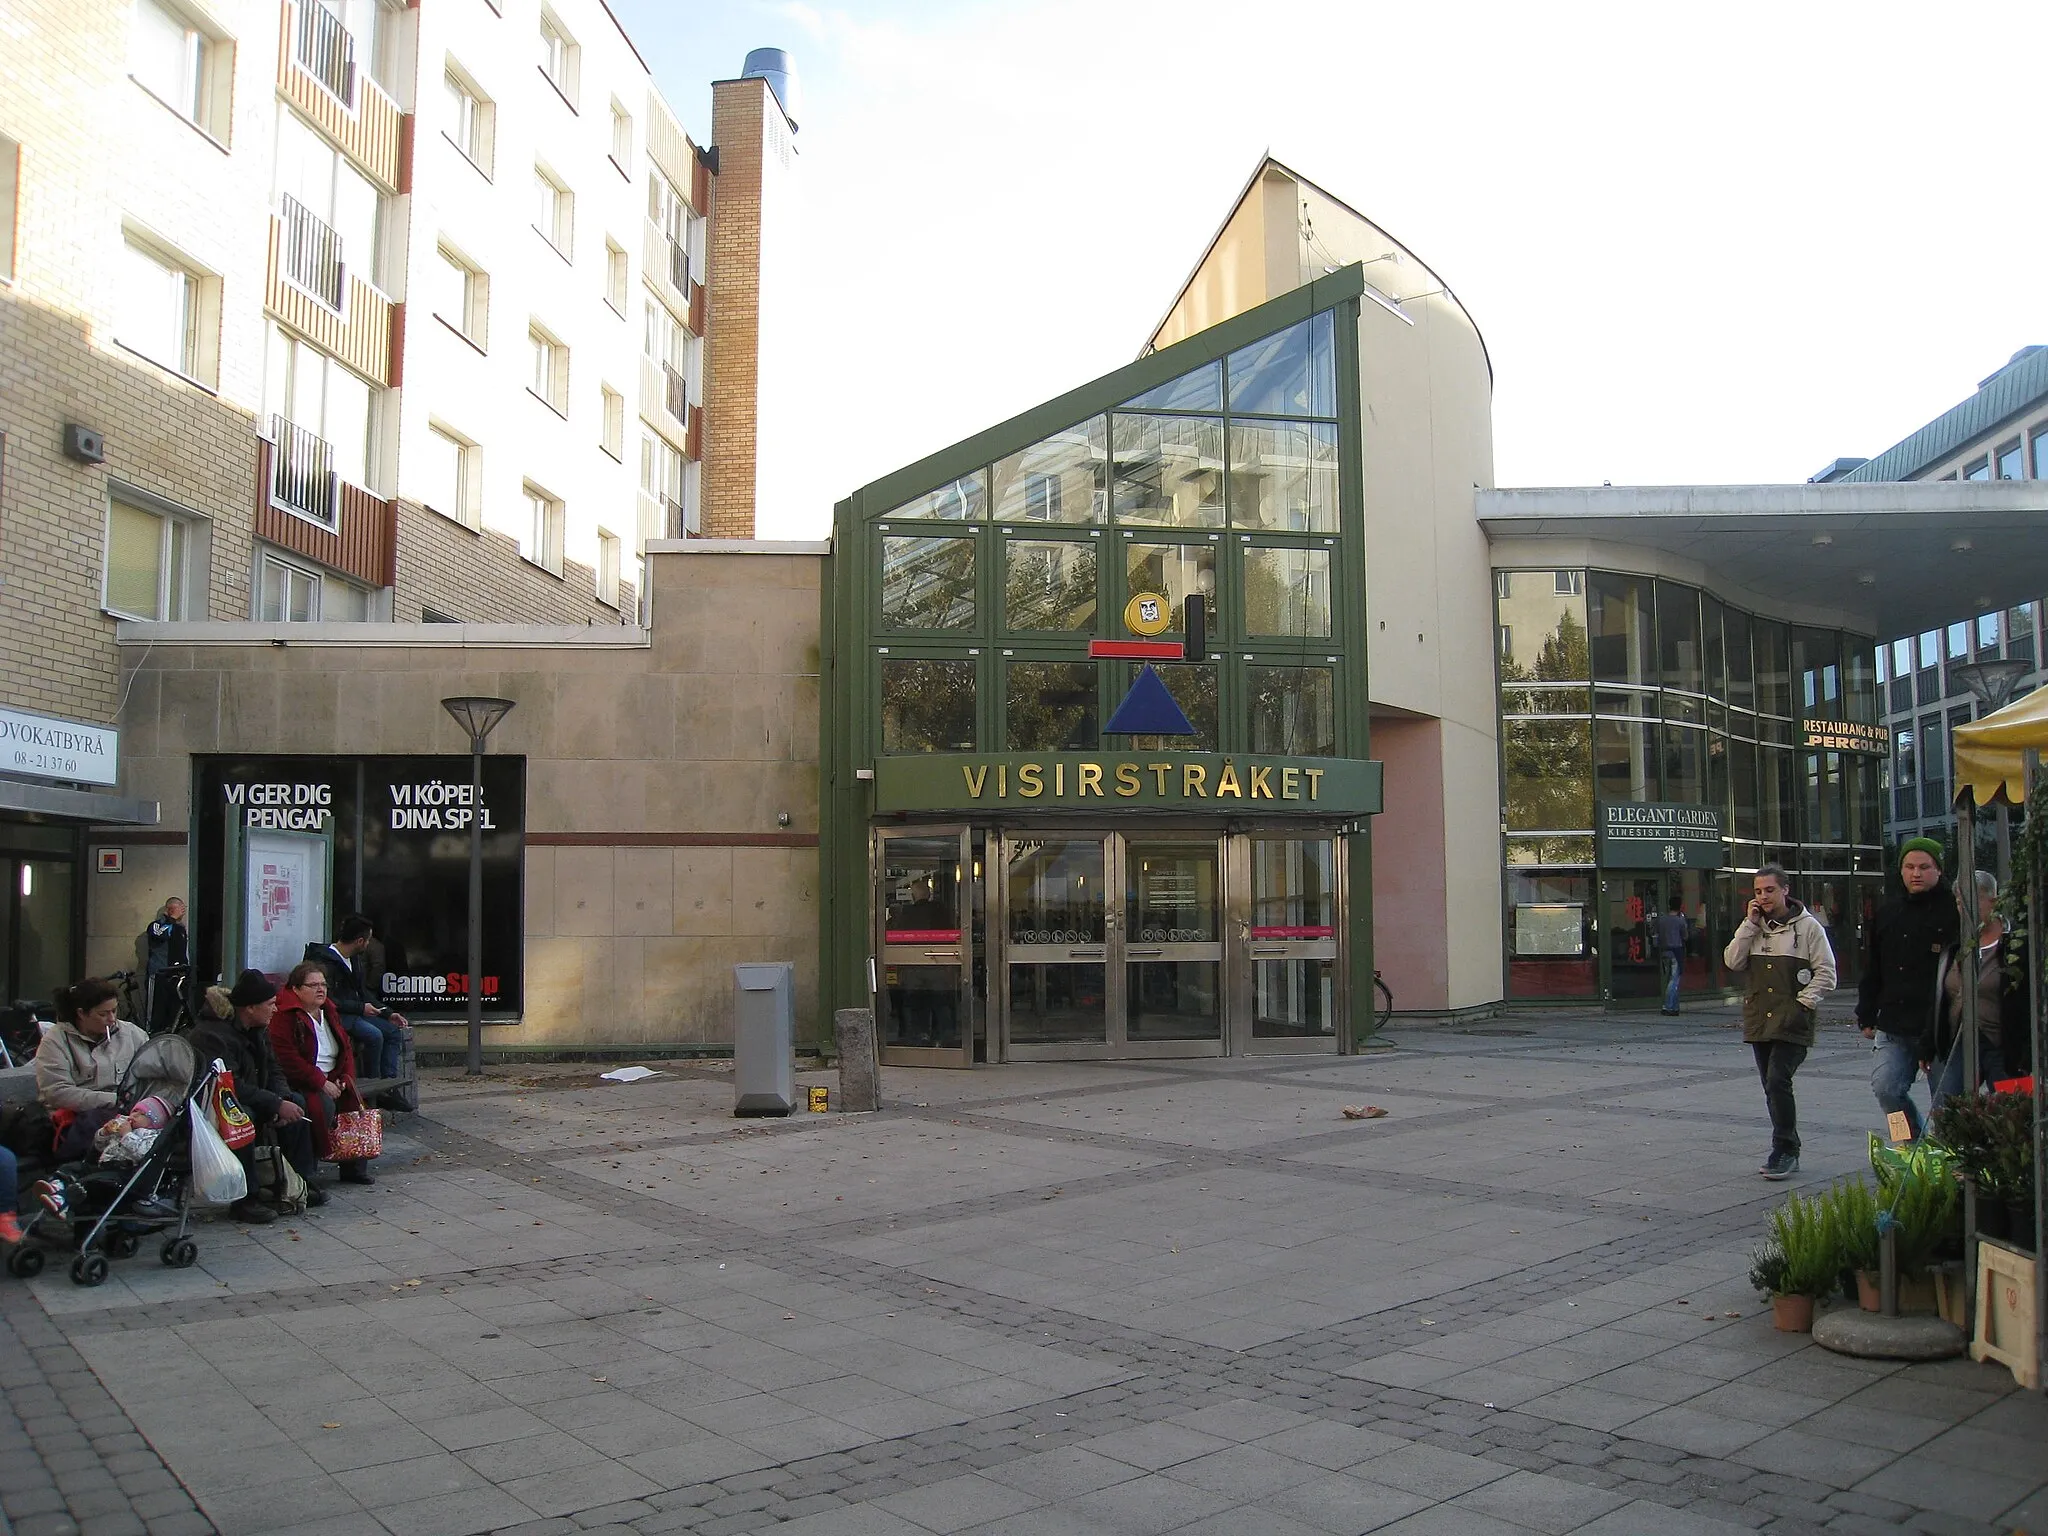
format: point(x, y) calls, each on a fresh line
point(1169, 1296)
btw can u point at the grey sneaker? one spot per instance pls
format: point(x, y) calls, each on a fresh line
point(1780, 1166)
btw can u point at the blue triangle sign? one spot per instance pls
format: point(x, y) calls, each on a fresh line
point(1149, 710)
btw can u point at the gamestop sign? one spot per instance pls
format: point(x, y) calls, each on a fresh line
point(384, 836)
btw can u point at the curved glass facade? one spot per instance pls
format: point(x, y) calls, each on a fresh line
point(1624, 688)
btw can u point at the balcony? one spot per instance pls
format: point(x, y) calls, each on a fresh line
point(317, 74)
point(310, 253)
point(360, 537)
point(675, 394)
point(666, 265)
point(359, 329)
point(302, 478)
point(678, 266)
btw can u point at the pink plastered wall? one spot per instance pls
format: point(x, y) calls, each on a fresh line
point(1410, 944)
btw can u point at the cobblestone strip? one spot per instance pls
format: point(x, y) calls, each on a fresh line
point(72, 1463)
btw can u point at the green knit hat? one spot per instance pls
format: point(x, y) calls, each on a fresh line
point(1926, 845)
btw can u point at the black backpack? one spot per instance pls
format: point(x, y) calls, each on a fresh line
point(27, 1130)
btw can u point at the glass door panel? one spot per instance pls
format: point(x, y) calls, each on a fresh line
point(1056, 923)
point(1294, 992)
point(1173, 950)
point(44, 948)
point(923, 1017)
point(1634, 972)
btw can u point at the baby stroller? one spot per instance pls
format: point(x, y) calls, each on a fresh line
point(106, 1207)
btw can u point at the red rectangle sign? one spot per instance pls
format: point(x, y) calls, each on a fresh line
point(1135, 650)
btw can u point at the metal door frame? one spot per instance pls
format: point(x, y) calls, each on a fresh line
point(1246, 952)
point(918, 954)
point(1603, 878)
point(1218, 842)
point(1000, 947)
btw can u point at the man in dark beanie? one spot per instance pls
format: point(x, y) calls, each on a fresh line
point(1902, 950)
point(241, 1042)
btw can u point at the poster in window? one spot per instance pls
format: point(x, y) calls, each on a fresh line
point(1550, 929)
point(286, 892)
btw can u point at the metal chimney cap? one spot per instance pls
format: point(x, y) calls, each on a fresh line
point(779, 69)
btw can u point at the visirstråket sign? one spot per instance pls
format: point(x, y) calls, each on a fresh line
point(1339, 787)
point(1638, 834)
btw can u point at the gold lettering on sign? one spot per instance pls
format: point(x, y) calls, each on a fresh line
point(1127, 781)
point(1290, 783)
point(1262, 784)
point(1030, 780)
point(1059, 779)
point(1226, 782)
point(977, 779)
point(1315, 781)
point(1088, 778)
point(1002, 781)
point(1194, 781)
point(1159, 771)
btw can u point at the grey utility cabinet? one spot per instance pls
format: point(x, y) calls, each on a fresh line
point(764, 1038)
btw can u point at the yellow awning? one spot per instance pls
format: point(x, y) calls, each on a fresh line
point(1987, 754)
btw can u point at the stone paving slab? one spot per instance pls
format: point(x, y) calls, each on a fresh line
point(1168, 1296)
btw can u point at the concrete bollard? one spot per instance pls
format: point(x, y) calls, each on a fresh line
point(860, 1072)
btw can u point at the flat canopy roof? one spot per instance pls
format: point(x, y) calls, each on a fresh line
point(1909, 556)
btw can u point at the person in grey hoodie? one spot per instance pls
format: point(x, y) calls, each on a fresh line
point(1784, 953)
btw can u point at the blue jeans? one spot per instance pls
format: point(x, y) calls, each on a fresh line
point(376, 1042)
point(1892, 1077)
point(1948, 1075)
point(10, 1193)
point(1674, 968)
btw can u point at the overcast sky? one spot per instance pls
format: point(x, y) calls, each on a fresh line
point(1704, 244)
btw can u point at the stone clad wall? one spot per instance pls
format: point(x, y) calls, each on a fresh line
point(657, 765)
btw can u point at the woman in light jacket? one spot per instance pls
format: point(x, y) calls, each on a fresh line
point(80, 1063)
point(313, 1048)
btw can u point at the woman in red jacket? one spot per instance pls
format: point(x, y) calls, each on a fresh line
point(313, 1049)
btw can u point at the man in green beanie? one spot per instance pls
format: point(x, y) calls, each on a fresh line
point(1902, 950)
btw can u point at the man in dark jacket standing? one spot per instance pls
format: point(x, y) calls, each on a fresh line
point(242, 1043)
point(1902, 951)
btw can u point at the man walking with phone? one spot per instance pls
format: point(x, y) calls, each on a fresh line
point(1784, 953)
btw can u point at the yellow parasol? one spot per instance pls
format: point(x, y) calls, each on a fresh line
point(1987, 754)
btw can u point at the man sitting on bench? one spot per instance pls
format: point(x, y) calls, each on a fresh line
point(377, 1031)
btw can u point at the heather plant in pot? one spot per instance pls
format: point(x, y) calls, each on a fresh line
point(1991, 1140)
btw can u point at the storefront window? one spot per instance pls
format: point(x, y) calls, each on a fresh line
point(1290, 373)
point(1201, 390)
point(1860, 674)
point(927, 583)
point(1742, 789)
point(1194, 690)
point(1283, 475)
point(1735, 643)
point(1622, 639)
point(1826, 805)
point(1773, 668)
point(1549, 775)
point(1049, 706)
point(1550, 935)
point(1174, 571)
point(1678, 637)
point(1685, 764)
point(927, 705)
point(1624, 763)
point(1060, 479)
point(1776, 789)
point(1287, 592)
point(1713, 646)
point(1293, 711)
point(1048, 584)
point(1169, 470)
point(1816, 659)
point(962, 500)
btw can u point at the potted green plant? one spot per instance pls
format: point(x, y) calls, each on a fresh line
point(1851, 1210)
point(1802, 1239)
point(1990, 1139)
point(1919, 1196)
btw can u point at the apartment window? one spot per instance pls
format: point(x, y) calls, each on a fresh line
point(338, 218)
point(10, 185)
point(461, 294)
point(554, 209)
point(156, 560)
point(608, 556)
point(472, 120)
point(434, 615)
point(166, 310)
point(661, 470)
point(1981, 470)
point(622, 140)
point(187, 69)
point(286, 592)
point(615, 276)
point(450, 475)
point(614, 440)
point(541, 540)
point(667, 209)
point(550, 379)
point(1570, 583)
point(2041, 452)
point(558, 59)
point(2012, 461)
point(306, 389)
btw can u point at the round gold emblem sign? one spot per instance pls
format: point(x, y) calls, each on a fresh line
point(1147, 613)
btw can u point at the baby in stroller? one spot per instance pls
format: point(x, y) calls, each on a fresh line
point(135, 1181)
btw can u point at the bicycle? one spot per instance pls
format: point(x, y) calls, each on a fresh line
point(1383, 1011)
point(180, 1018)
point(21, 1032)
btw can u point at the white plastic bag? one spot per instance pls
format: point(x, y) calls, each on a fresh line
point(216, 1172)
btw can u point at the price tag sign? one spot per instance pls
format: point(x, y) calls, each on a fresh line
point(1900, 1127)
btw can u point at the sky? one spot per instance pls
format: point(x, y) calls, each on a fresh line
point(1705, 244)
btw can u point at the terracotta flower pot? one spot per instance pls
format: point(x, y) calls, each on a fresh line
point(1916, 1292)
point(1867, 1296)
point(1792, 1314)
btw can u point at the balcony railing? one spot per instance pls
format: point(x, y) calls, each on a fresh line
point(678, 525)
point(326, 51)
point(302, 477)
point(679, 266)
point(675, 393)
point(311, 252)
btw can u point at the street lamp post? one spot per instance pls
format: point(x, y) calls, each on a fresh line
point(478, 717)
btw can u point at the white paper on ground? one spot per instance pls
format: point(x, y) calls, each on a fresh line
point(630, 1075)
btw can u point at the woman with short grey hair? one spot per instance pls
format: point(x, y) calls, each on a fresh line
point(2001, 998)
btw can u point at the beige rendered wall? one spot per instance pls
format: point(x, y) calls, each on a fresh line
point(1254, 257)
point(658, 763)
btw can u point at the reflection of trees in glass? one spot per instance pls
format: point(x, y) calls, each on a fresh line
point(927, 706)
point(1287, 592)
point(1549, 762)
point(962, 500)
point(1173, 571)
point(1293, 711)
point(1048, 585)
point(1169, 470)
point(927, 583)
point(1060, 479)
point(1050, 706)
point(1194, 689)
